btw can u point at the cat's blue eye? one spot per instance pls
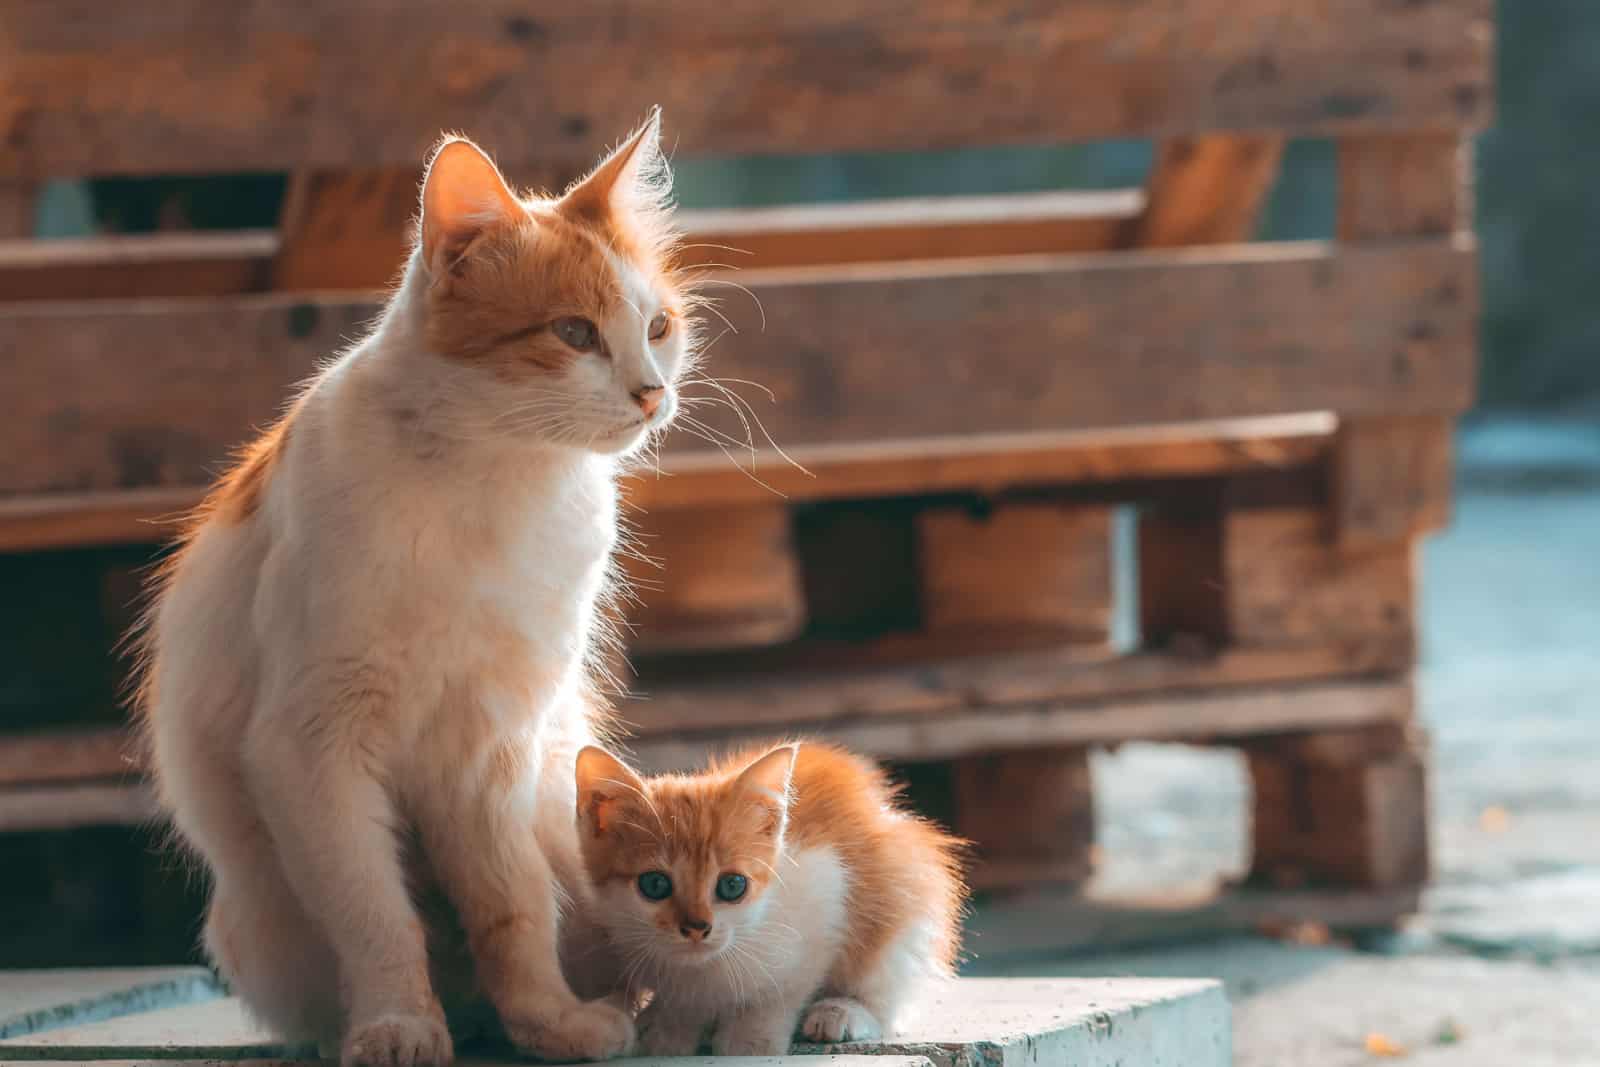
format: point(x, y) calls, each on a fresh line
point(731, 887)
point(655, 885)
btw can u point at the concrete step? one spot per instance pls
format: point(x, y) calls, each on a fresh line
point(976, 1022)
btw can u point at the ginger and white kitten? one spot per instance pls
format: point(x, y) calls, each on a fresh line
point(377, 627)
point(766, 889)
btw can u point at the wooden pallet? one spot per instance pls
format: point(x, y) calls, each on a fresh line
point(973, 385)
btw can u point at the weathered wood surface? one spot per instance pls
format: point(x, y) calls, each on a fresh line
point(18, 208)
point(711, 578)
point(972, 726)
point(1029, 816)
point(131, 395)
point(1040, 567)
point(1391, 479)
point(1341, 815)
point(986, 464)
point(351, 231)
point(1404, 185)
point(1269, 577)
point(359, 232)
point(189, 87)
point(137, 266)
point(1205, 190)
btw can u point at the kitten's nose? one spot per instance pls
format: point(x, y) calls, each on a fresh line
point(694, 929)
point(648, 397)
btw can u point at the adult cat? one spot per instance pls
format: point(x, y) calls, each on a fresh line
point(376, 628)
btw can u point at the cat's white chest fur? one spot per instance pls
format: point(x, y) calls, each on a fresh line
point(464, 581)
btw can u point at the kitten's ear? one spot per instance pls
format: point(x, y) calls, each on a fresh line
point(605, 786)
point(462, 195)
point(633, 178)
point(766, 781)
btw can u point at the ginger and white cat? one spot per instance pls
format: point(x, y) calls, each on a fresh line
point(376, 629)
point(765, 893)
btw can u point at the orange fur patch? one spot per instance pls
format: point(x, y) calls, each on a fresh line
point(902, 869)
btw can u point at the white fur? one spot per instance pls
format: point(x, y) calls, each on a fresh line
point(330, 672)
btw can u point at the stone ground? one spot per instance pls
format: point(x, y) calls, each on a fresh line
point(1504, 965)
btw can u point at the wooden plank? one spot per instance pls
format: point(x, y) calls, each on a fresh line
point(1268, 577)
point(846, 354)
point(1206, 190)
point(1041, 567)
point(1392, 479)
point(69, 807)
point(1321, 819)
point(276, 87)
point(136, 266)
point(351, 231)
point(65, 756)
point(1285, 584)
point(706, 579)
point(18, 208)
point(777, 694)
point(1404, 185)
point(1029, 816)
point(986, 464)
point(347, 229)
point(1177, 716)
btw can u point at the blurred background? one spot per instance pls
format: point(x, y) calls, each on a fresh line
point(1495, 958)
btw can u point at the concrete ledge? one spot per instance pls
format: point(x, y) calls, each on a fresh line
point(976, 1022)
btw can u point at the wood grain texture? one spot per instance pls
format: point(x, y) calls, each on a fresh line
point(1205, 190)
point(798, 694)
point(1039, 567)
point(350, 231)
point(712, 578)
point(141, 266)
point(186, 86)
point(1404, 185)
point(1392, 479)
point(1177, 716)
point(126, 395)
point(988, 464)
point(18, 209)
point(1029, 816)
point(1322, 820)
point(1392, 476)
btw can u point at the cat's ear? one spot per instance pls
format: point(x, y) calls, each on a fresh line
point(462, 195)
point(606, 786)
point(634, 178)
point(766, 782)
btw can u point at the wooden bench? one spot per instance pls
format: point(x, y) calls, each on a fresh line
point(973, 386)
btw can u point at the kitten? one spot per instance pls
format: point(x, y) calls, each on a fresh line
point(378, 625)
point(741, 897)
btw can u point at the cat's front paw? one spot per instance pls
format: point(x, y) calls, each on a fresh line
point(835, 1019)
point(754, 1035)
point(586, 1030)
point(398, 1041)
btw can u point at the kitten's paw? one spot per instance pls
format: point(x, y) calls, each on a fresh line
point(398, 1041)
point(840, 1019)
point(587, 1030)
point(753, 1036)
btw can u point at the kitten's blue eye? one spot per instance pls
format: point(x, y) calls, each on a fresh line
point(731, 887)
point(655, 885)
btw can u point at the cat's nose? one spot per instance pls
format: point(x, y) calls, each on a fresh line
point(648, 397)
point(694, 929)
